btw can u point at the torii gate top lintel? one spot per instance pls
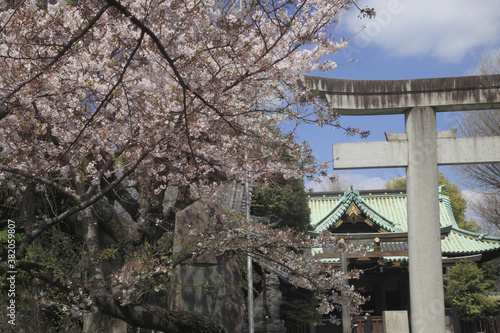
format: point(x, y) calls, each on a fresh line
point(375, 97)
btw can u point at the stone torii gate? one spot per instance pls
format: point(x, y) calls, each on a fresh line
point(421, 149)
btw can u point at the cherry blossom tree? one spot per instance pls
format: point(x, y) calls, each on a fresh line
point(107, 104)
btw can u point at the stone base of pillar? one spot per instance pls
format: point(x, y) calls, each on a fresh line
point(396, 321)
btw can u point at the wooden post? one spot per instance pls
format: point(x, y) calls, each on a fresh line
point(346, 316)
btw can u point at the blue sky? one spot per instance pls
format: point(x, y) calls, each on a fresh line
point(406, 40)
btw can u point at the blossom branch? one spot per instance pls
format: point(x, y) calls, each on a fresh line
point(77, 208)
point(58, 56)
point(41, 180)
point(108, 95)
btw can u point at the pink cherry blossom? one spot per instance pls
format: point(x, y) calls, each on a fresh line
point(125, 100)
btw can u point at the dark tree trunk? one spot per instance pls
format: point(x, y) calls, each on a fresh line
point(157, 318)
point(28, 216)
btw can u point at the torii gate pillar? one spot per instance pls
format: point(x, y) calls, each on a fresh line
point(420, 150)
point(424, 242)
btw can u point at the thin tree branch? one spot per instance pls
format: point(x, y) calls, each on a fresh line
point(108, 95)
point(41, 180)
point(75, 209)
point(12, 15)
point(169, 59)
point(59, 55)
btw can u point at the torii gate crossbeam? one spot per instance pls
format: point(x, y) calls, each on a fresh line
point(420, 150)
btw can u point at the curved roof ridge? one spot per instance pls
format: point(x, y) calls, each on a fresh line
point(375, 216)
point(447, 204)
point(352, 195)
point(335, 214)
point(480, 236)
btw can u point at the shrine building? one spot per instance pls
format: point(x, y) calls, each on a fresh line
point(377, 221)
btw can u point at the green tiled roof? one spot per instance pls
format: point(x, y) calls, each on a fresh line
point(327, 208)
point(386, 259)
point(459, 242)
point(388, 209)
point(325, 211)
point(392, 259)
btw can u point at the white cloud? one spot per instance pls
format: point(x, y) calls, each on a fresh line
point(363, 182)
point(472, 197)
point(444, 29)
point(358, 180)
point(475, 197)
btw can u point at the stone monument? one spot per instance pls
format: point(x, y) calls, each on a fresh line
point(211, 285)
point(267, 307)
